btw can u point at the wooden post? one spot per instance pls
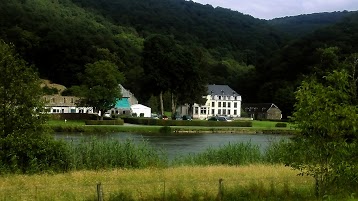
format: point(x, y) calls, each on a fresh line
point(164, 192)
point(99, 192)
point(220, 195)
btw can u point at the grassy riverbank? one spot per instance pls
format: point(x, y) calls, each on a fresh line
point(257, 127)
point(252, 182)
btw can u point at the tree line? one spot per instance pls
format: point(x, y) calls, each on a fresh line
point(257, 58)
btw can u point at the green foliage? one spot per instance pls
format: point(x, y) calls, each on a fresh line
point(24, 145)
point(100, 86)
point(160, 122)
point(165, 130)
point(97, 154)
point(231, 154)
point(105, 122)
point(327, 116)
point(49, 90)
point(281, 125)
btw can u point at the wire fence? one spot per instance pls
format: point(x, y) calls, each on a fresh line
point(143, 189)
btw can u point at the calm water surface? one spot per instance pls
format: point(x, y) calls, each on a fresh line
point(178, 145)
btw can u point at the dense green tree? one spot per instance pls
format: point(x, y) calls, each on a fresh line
point(25, 145)
point(327, 116)
point(100, 86)
point(158, 59)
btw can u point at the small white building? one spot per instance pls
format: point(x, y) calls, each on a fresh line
point(141, 110)
point(221, 100)
point(64, 104)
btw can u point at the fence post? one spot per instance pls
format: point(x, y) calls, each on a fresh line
point(164, 192)
point(99, 192)
point(220, 195)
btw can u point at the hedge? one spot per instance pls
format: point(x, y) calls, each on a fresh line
point(105, 122)
point(160, 122)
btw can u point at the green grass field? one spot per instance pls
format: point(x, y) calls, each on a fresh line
point(252, 182)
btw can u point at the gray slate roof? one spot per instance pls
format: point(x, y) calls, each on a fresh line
point(221, 90)
point(263, 107)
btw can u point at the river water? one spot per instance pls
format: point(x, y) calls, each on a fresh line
point(180, 145)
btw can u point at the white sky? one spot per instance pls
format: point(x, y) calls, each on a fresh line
point(268, 9)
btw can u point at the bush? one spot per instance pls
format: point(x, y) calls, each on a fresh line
point(105, 122)
point(33, 154)
point(161, 122)
point(165, 130)
point(281, 125)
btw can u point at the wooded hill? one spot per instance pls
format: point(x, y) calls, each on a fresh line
point(260, 59)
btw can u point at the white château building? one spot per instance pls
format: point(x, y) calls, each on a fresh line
point(221, 100)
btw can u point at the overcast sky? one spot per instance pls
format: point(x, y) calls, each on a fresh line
point(268, 9)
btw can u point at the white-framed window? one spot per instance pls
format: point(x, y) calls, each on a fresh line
point(212, 104)
point(219, 104)
point(235, 105)
point(229, 105)
point(224, 112)
point(235, 112)
point(224, 104)
point(203, 110)
point(212, 111)
point(196, 110)
point(219, 111)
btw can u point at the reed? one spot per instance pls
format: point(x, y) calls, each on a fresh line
point(231, 154)
point(94, 154)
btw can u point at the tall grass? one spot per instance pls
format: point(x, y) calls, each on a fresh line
point(181, 183)
point(231, 154)
point(96, 154)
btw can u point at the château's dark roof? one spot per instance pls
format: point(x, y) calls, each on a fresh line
point(263, 107)
point(221, 90)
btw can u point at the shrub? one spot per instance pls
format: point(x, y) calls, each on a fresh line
point(105, 122)
point(165, 130)
point(33, 154)
point(160, 122)
point(281, 125)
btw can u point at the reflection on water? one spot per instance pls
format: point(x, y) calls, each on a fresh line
point(178, 145)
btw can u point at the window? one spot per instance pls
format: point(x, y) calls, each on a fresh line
point(224, 112)
point(219, 97)
point(212, 111)
point(219, 104)
point(219, 111)
point(196, 110)
point(203, 110)
point(212, 104)
point(224, 104)
point(54, 110)
point(228, 104)
point(235, 105)
point(228, 112)
point(235, 113)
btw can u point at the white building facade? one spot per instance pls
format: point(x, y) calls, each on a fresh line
point(220, 101)
point(64, 104)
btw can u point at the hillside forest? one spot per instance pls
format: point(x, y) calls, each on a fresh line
point(263, 60)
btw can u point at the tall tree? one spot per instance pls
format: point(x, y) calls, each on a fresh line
point(157, 63)
point(100, 86)
point(25, 145)
point(327, 146)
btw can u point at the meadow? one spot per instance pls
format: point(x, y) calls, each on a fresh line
point(250, 182)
